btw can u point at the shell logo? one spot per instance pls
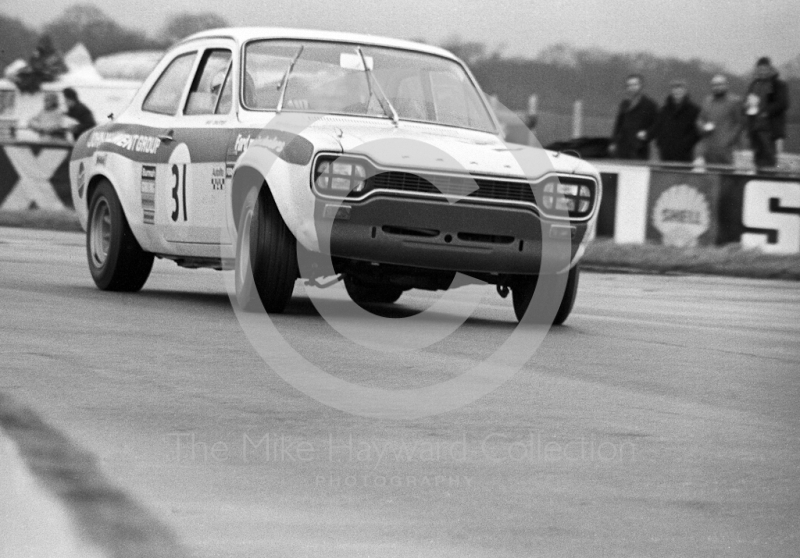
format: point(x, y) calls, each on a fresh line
point(681, 214)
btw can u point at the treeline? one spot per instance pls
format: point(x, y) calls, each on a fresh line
point(88, 24)
point(561, 74)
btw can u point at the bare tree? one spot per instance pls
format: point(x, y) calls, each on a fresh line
point(88, 24)
point(470, 52)
point(45, 65)
point(16, 40)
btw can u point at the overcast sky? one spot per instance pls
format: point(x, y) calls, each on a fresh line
point(733, 32)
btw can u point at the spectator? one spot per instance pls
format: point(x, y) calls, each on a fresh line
point(636, 114)
point(765, 107)
point(720, 123)
point(78, 112)
point(675, 128)
point(51, 123)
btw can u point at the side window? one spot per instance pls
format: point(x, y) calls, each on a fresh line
point(165, 96)
point(208, 82)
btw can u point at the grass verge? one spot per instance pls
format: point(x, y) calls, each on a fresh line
point(730, 260)
point(63, 220)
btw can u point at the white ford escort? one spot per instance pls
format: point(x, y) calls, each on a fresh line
point(287, 154)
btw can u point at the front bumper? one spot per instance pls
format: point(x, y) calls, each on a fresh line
point(438, 235)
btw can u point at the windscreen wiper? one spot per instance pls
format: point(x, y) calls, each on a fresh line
point(370, 78)
point(285, 80)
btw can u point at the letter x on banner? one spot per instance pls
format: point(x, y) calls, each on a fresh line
point(34, 177)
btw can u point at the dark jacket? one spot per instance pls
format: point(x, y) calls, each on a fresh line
point(630, 120)
point(675, 130)
point(83, 116)
point(774, 102)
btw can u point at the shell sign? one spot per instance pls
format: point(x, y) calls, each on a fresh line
point(682, 208)
point(681, 214)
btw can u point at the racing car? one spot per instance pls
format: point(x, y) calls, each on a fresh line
point(290, 154)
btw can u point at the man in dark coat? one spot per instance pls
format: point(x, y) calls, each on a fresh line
point(720, 123)
point(765, 106)
point(675, 129)
point(636, 115)
point(78, 112)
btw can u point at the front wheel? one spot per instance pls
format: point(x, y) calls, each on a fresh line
point(522, 293)
point(266, 255)
point(116, 261)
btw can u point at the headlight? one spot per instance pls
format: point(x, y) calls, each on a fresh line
point(566, 195)
point(339, 177)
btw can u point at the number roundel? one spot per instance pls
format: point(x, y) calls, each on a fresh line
point(178, 168)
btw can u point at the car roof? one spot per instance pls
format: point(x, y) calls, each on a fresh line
point(244, 34)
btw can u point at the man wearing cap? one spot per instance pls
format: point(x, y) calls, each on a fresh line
point(636, 114)
point(675, 129)
point(765, 107)
point(720, 123)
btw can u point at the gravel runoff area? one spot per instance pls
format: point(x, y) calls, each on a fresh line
point(602, 255)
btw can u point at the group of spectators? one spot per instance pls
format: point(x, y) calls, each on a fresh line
point(684, 131)
point(53, 123)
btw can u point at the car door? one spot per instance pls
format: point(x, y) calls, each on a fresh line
point(167, 203)
point(193, 124)
point(204, 127)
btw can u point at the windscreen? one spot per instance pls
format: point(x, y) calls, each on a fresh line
point(335, 78)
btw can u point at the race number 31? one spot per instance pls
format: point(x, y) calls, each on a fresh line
point(179, 192)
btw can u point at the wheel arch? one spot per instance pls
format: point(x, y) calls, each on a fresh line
point(289, 188)
point(245, 178)
point(91, 187)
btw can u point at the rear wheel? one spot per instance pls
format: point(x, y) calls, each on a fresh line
point(362, 293)
point(522, 293)
point(266, 255)
point(116, 261)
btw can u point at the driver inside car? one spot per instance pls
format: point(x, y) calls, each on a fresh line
point(224, 94)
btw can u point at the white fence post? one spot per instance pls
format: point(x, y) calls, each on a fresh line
point(577, 119)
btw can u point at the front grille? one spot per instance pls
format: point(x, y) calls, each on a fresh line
point(504, 190)
point(455, 186)
point(556, 196)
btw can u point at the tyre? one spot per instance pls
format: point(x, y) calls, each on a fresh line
point(116, 261)
point(361, 293)
point(522, 293)
point(266, 255)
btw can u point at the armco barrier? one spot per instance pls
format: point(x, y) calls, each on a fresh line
point(34, 175)
point(684, 207)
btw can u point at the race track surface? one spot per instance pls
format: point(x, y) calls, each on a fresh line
point(662, 420)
